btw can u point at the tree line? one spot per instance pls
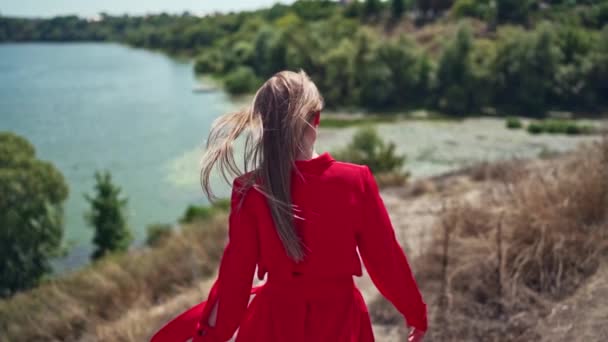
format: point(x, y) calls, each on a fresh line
point(521, 57)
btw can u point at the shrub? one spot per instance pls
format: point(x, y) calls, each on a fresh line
point(554, 126)
point(369, 149)
point(535, 128)
point(158, 233)
point(513, 123)
point(194, 212)
point(241, 80)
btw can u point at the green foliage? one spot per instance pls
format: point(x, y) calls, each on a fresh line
point(269, 52)
point(514, 11)
point(535, 128)
point(157, 233)
point(107, 217)
point(556, 126)
point(371, 8)
point(525, 69)
point(433, 7)
point(482, 9)
point(353, 10)
point(241, 80)
point(31, 214)
point(195, 213)
point(209, 62)
point(513, 123)
point(367, 148)
point(457, 84)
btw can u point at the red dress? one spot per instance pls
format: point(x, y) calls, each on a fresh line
point(342, 220)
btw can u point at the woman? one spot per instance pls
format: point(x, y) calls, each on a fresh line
point(300, 218)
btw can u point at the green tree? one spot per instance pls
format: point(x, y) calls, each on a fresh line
point(525, 69)
point(107, 217)
point(455, 79)
point(338, 81)
point(409, 71)
point(32, 193)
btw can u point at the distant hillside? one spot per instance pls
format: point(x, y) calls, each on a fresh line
point(460, 57)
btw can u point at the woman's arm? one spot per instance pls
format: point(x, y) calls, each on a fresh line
point(229, 296)
point(384, 258)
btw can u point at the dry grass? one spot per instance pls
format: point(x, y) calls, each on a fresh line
point(73, 307)
point(499, 265)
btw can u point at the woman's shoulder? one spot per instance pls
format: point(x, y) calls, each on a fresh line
point(354, 174)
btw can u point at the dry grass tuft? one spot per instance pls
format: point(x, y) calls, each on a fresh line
point(70, 308)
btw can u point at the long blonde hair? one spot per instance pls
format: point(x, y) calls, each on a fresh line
point(274, 124)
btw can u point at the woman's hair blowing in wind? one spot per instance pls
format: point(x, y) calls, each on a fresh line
point(282, 109)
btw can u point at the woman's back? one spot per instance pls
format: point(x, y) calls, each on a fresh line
point(327, 201)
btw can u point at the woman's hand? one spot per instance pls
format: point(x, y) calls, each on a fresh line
point(415, 335)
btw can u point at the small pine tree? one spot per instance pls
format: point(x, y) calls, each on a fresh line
point(107, 217)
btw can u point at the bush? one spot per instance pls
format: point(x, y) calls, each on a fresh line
point(241, 80)
point(535, 128)
point(194, 213)
point(513, 123)
point(158, 233)
point(369, 149)
point(554, 126)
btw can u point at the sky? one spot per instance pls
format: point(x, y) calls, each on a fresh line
point(88, 8)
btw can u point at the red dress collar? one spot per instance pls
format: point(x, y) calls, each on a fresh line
point(315, 165)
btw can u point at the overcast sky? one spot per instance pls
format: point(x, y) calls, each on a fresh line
point(86, 8)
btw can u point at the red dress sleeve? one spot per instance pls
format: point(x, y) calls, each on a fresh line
point(384, 258)
point(232, 289)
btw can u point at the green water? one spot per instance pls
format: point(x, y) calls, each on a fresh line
point(105, 106)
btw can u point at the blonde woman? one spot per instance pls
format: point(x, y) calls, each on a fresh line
point(305, 221)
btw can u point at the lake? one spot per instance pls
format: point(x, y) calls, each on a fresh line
point(91, 106)
point(95, 106)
